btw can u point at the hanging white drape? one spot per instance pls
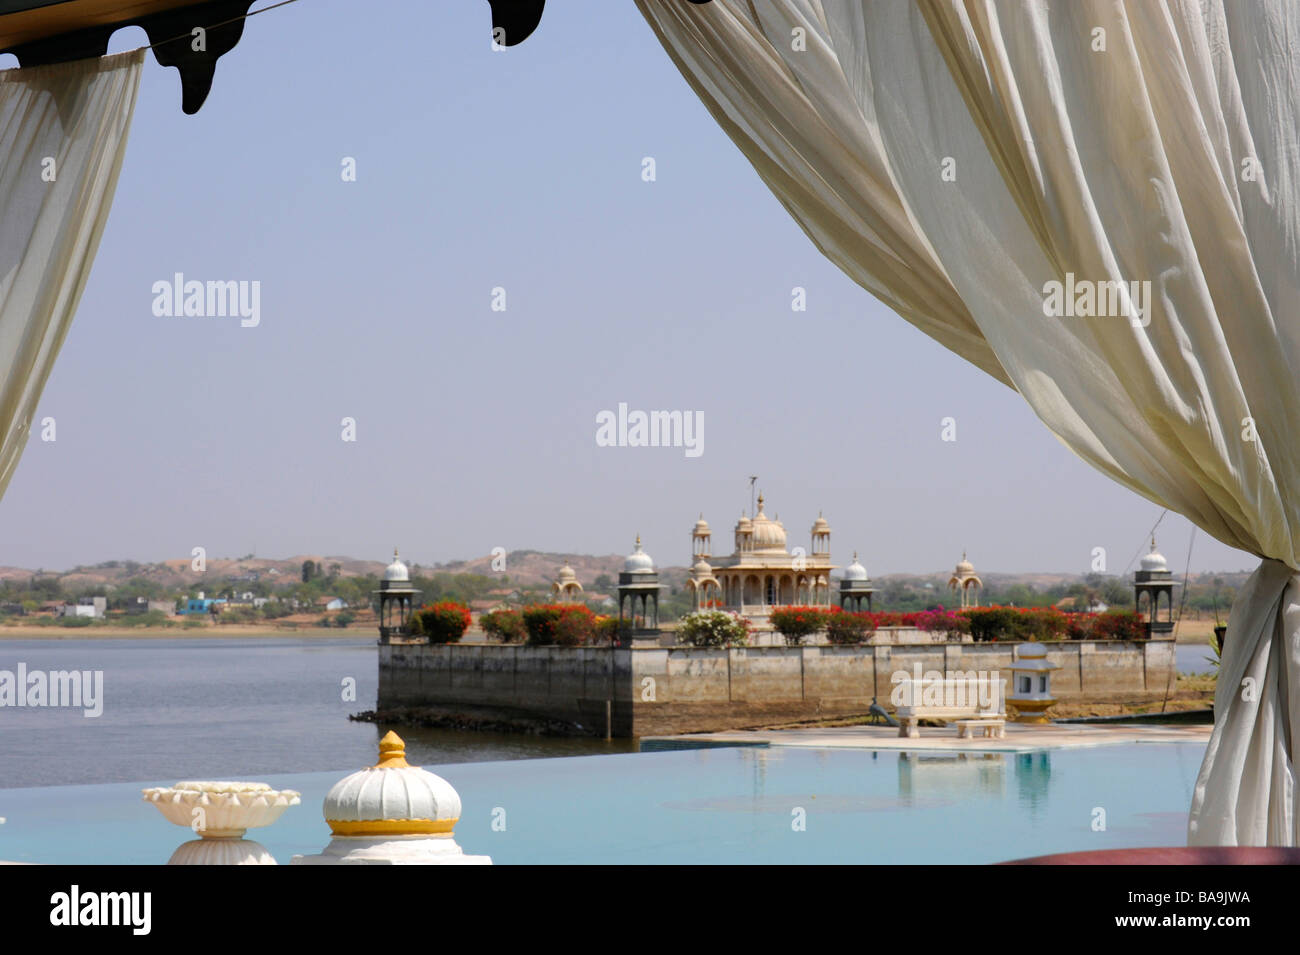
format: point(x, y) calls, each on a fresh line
point(63, 131)
point(955, 158)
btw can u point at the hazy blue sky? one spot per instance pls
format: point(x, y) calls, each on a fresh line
point(475, 428)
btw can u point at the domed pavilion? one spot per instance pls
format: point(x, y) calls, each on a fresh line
point(566, 588)
point(965, 582)
point(396, 600)
point(761, 573)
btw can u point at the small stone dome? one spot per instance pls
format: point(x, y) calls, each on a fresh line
point(701, 527)
point(566, 574)
point(392, 798)
point(855, 571)
point(639, 562)
point(1154, 561)
point(964, 567)
point(396, 572)
point(701, 568)
point(820, 526)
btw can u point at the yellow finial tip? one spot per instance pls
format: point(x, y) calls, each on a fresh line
point(392, 752)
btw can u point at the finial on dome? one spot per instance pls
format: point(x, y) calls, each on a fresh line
point(638, 541)
point(855, 557)
point(392, 752)
point(1153, 542)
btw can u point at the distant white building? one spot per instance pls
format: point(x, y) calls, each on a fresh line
point(86, 607)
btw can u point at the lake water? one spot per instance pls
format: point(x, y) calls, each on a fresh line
point(220, 708)
point(1193, 658)
point(224, 708)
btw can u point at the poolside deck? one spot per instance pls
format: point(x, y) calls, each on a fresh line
point(1020, 738)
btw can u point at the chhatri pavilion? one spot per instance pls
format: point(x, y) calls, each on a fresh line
point(761, 573)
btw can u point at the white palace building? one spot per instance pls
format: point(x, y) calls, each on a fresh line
point(761, 573)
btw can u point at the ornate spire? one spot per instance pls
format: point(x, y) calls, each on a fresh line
point(392, 752)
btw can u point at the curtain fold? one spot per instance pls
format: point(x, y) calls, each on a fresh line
point(63, 132)
point(1094, 201)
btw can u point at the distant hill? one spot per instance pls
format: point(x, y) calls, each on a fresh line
point(525, 568)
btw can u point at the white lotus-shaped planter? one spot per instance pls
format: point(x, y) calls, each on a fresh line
point(221, 810)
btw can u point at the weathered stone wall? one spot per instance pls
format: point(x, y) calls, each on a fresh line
point(656, 690)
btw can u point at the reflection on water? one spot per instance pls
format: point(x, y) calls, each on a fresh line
point(957, 773)
point(1033, 776)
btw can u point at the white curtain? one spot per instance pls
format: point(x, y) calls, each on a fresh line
point(955, 158)
point(63, 131)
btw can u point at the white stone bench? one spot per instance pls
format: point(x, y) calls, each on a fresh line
point(973, 699)
point(990, 727)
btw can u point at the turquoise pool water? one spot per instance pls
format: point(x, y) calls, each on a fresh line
point(719, 805)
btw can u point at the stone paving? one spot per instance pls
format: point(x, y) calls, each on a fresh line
point(1020, 737)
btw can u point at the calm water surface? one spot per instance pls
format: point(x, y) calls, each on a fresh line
point(214, 708)
point(736, 805)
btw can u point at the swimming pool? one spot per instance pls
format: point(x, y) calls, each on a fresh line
point(717, 805)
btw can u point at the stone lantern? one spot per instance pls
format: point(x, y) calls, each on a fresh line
point(1031, 683)
point(396, 601)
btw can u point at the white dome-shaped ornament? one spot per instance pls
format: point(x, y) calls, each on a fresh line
point(392, 813)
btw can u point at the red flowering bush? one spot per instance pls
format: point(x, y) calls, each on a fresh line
point(505, 625)
point(1119, 625)
point(569, 625)
point(443, 622)
point(796, 623)
point(951, 623)
point(848, 629)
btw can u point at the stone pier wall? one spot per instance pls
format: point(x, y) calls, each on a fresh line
point(658, 690)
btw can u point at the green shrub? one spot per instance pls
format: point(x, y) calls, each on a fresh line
point(504, 625)
point(76, 621)
point(712, 628)
point(609, 629)
point(542, 621)
point(990, 623)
